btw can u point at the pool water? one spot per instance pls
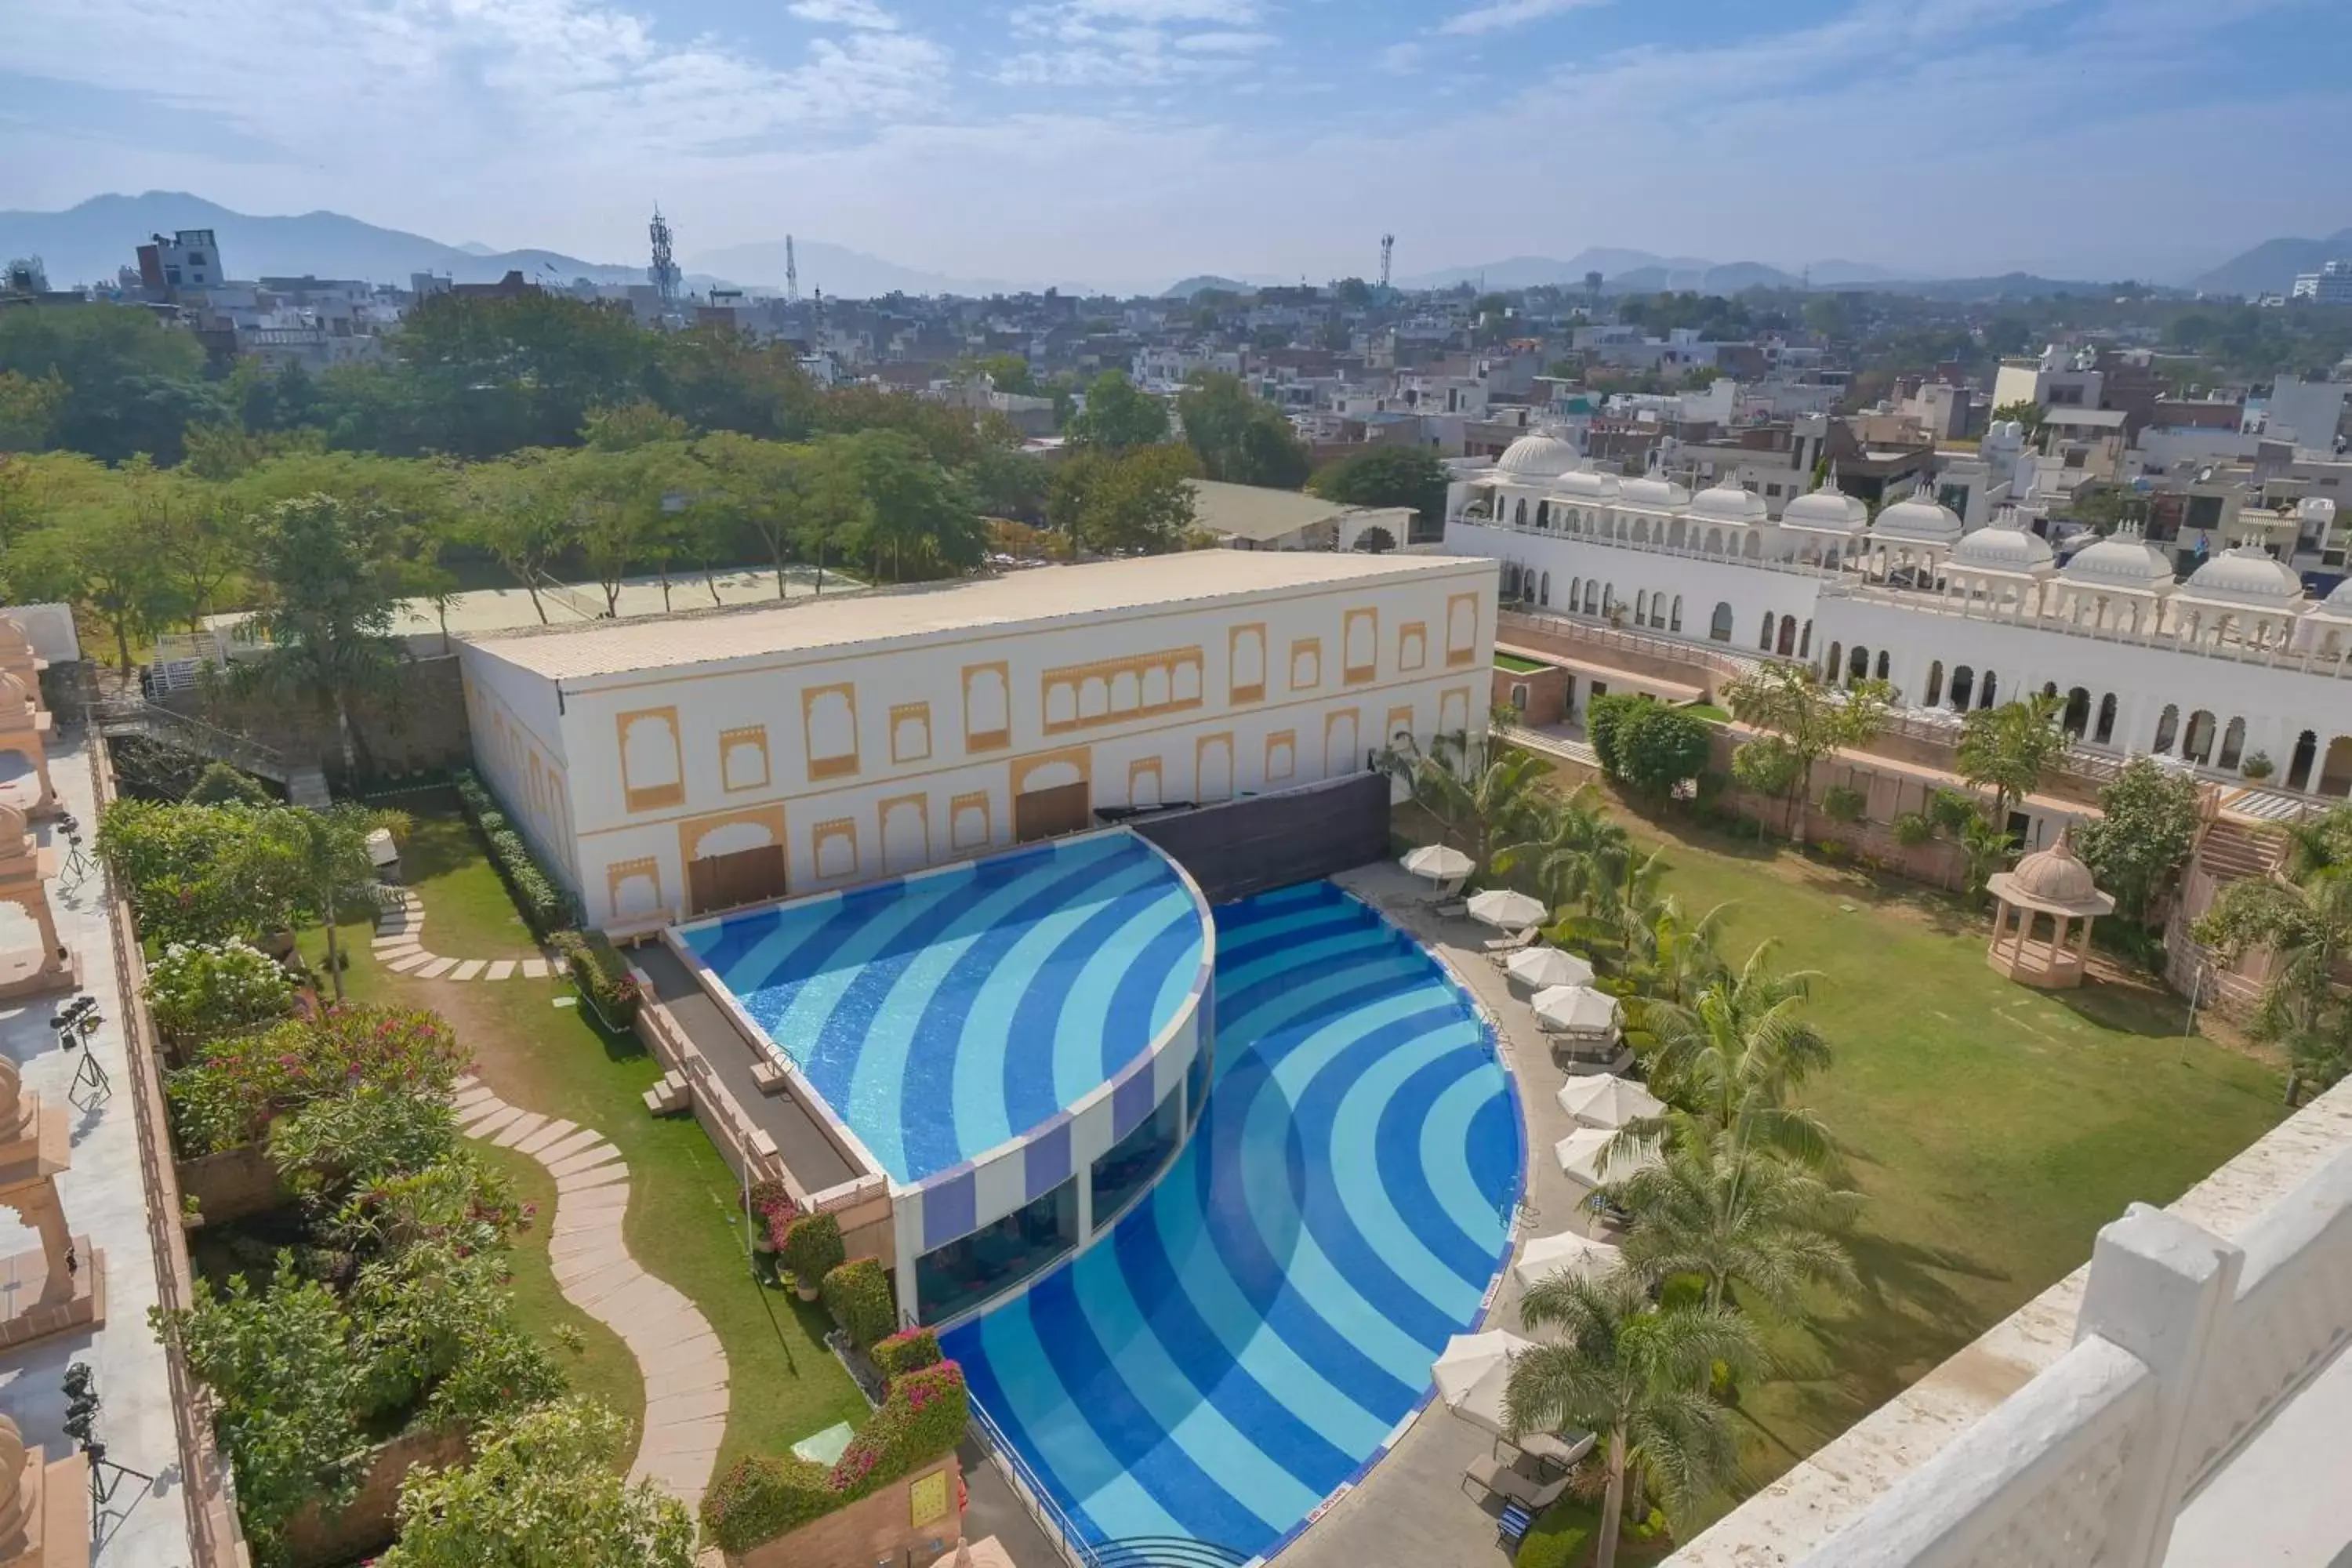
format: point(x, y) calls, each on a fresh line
point(1252, 1333)
point(942, 1014)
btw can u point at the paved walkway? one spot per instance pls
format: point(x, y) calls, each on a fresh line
point(683, 1364)
point(400, 947)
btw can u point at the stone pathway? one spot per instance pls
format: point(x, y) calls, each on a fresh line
point(683, 1364)
point(400, 947)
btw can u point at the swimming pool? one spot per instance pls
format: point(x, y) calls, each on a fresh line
point(942, 1014)
point(1250, 1335)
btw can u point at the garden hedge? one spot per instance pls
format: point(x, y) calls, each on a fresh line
point(1560, 1538)
point(767, 1496)
point(857, 1294)
point(910, 1350)
point(544, 907)
point(602, 974)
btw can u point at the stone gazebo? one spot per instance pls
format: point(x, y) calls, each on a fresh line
point(44, 1506)
point(59, 1286)
point(2049, 885)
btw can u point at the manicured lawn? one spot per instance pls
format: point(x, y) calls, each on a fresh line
point(1995, 1129)
point(1709, 711)
point(685, 1215)
point(466, 911)
point(1516, 664)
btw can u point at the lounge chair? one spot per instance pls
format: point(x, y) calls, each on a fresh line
point(1511, 1484)
point(1501, 948)
point(1513, 1527)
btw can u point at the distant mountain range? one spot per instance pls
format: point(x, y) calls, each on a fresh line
point(88, 242)
point(2270, 266)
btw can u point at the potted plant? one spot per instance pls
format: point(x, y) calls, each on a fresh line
point(2258, 768)
point(811, 1249)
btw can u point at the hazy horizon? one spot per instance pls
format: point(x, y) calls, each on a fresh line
point(1129, 142)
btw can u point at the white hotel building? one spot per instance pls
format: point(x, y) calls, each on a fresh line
point(668, 766)
point(2237, 662)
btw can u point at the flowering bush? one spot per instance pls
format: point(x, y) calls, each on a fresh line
point(812, 1248)
point(238, 1082)
point(910, 1350)
point(198, 990)
point(771, 1204)
point(602, 974)
point(198, 873)
point(765, 1496)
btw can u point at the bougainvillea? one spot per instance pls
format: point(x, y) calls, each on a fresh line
point(238, 1082)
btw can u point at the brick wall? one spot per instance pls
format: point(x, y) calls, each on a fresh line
point(873, 1530)
point(422, 726)
point(371, 1521)
point(233, 1184)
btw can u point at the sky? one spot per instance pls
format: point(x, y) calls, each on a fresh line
point(1129, 142)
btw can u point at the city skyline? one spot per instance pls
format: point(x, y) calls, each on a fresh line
point(1127, 142)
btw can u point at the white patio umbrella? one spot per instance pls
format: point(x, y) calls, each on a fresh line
point(1580, 1153)
point(1505, 909)
point(1540, 968)
point(1578, 1009)
point(1472, 1373)
point(1606, 1100)
point(1438, 863)
point(1567, 1253)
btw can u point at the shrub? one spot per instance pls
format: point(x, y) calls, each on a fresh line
point(1658, 747)
point(237, 1083)
point(858, 1296)
point(2258, 766)
point(200, 991)
point(544, 907)
point(602, 974)
point(811, 1249)
point(765, 1496)
point(221, 785)
point(1603, 716)
point(1844, 803)
point(198, 873)
point(910, 1350)
point(1561, 1537)
point(773, 1207)
point(1913, 828)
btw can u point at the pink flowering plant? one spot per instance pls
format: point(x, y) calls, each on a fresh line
point(238, 1084)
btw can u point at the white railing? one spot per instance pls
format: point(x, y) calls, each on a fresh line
point(2185, 1344)
point(1827, 575)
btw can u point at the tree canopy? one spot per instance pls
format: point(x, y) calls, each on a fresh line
point(1388, 476)
point(1119, 417)
point(1237, 436)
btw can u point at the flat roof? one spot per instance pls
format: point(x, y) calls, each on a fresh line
point(1037, 595)
point(1256, 513)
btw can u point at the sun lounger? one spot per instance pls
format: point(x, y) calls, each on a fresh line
point(1502, 947)
point(1493, 1476)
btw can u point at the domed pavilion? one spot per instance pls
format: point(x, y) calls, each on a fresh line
point(2042, 918)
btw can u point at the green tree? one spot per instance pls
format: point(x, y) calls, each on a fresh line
point(1634, 1376)
point(327, 858)
point(1485, 805)
point(327, 576)
point(2009, 748)
point(1657, 749)
point(621, 509)
point(716, 378)
point(1238, 436)
point(1730, 1061)
point(1007, 372)
point(792, 497)
point(1389, 477)
point(102, 557)
point(905, 508)
point(1135, 502)
point(541, 1491)
point(1713, 1209)
point(625, 426)
point(524, 516)
point(1571, 846)
point(2025, 411)
point(130, 384)
point(1812, 720)
point(2146, 827)
point(492, 374)
point(2304, 924)
point(1118, 418)
point(29, 409)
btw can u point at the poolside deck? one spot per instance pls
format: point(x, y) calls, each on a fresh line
point(805, 1150)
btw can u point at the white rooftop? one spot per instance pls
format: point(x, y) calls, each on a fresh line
point(1043, 593)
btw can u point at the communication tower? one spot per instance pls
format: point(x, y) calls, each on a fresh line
point(664, 271)
point(792, 274)
point(1388, 248)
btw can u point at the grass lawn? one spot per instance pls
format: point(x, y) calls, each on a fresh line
point(466, 911)
point(1709, 711)
point(1994, 1128)
point(684, 1221)
point(1516, 664)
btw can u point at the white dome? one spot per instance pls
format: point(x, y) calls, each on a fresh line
point(2247, 576)
point(1917, 519)
point(1653, 492)
point(1583, 484)
point(2340, 598)
point(2003, 547)
point(1829, 509)
point(1724, 502)
point(2123, 561)
point(1536, 458)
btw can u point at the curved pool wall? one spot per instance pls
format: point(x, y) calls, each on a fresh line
point(1262, 1327)
point(986, 1036)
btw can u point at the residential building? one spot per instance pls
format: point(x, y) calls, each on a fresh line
point(2331, 285)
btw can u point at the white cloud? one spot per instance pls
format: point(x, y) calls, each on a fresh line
point(1158, 12)
point(1226, 43)
point(845, 14)
point(1132, 43)
point(1505, 14)
point(1402, 57)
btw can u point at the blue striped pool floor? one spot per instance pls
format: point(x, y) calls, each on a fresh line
point(942, 1015)
point(1258, 1326)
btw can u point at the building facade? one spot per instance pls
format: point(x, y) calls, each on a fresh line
point(664, 768)
point(2236, 672)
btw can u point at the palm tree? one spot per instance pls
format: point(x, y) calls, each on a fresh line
point(1677, 956)
point(2306, 926)
point(1482, 806)
point(1729, 1061)
point(1715, 1208)
point(2008, 748)
point(1635, 1377)
point(1573, 849)
point(328, 864)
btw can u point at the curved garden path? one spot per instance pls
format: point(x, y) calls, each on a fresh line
point(681, 1358)
point(399, 946)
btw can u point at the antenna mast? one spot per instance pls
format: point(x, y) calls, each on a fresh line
point(664, 271)
point(1388, 248)
point(792, 274)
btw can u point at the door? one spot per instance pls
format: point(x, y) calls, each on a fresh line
point(728, 881)
point(1051, 811)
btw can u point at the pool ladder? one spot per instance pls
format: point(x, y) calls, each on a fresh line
point(1163, 1552)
